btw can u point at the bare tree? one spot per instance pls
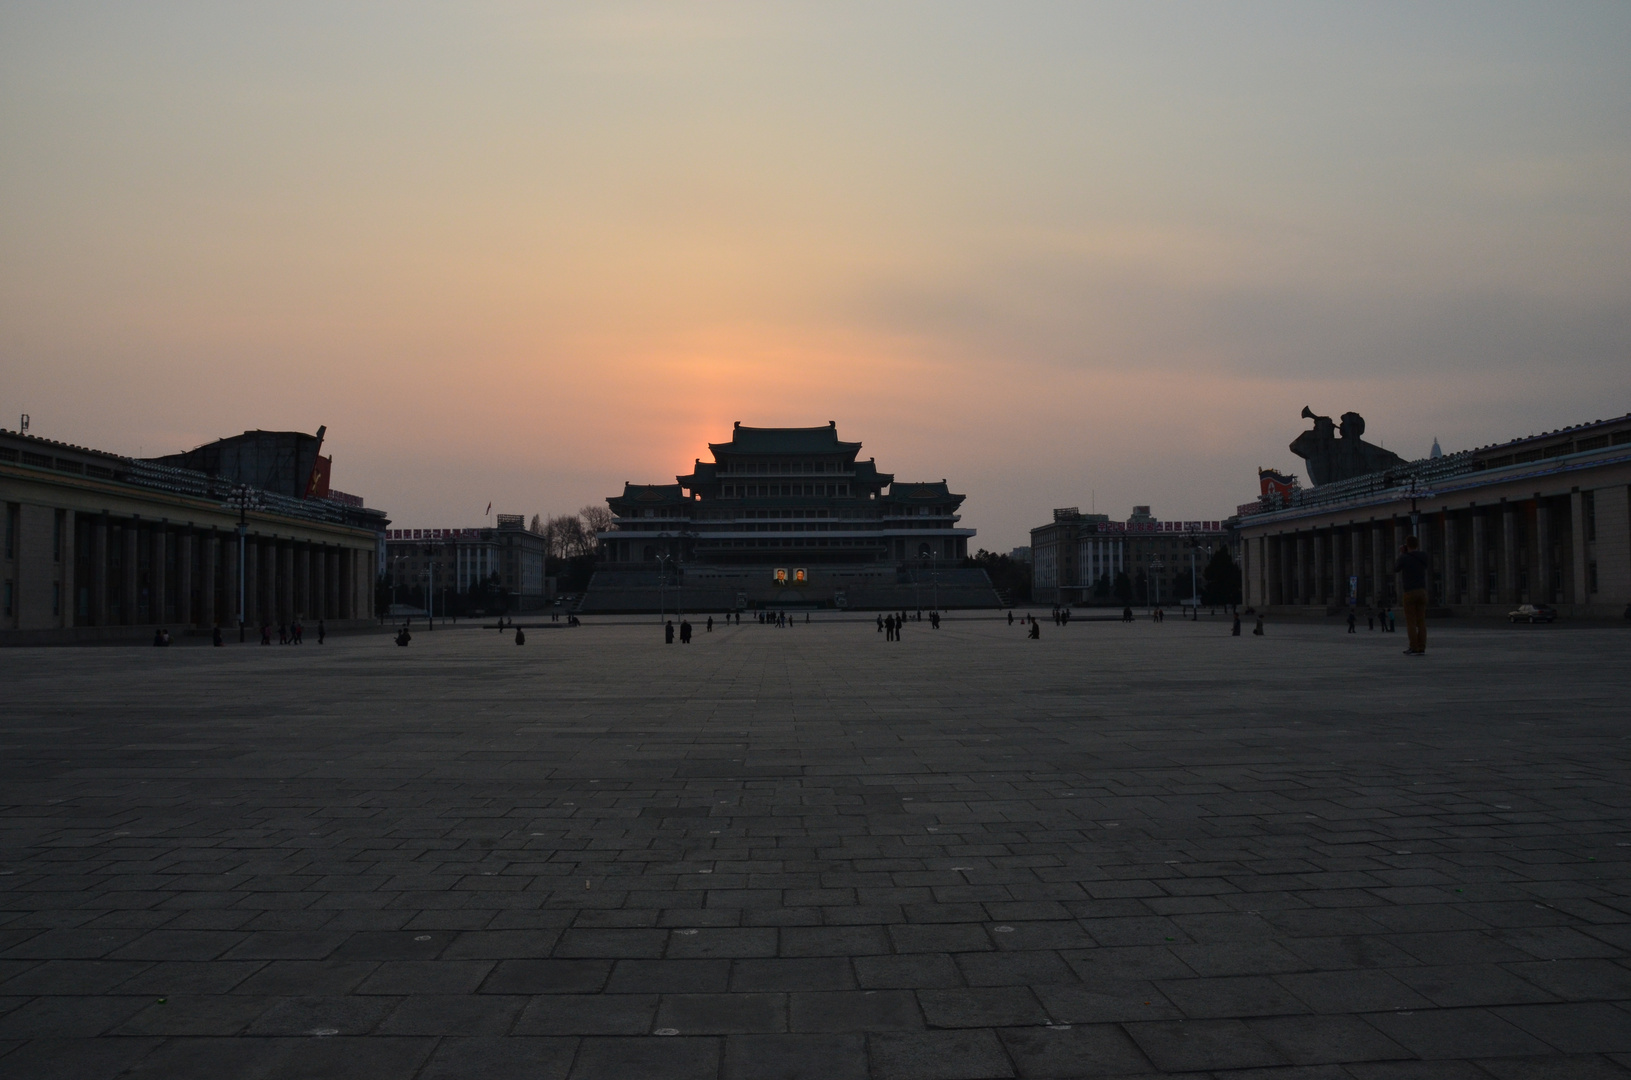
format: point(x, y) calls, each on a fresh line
point(597, 518)
point(537, 526)
point(565, 535)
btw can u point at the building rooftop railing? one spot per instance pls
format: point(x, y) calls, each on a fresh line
point(1427, 478)
point(35, 452)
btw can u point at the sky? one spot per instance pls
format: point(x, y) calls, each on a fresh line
point(1057, 254)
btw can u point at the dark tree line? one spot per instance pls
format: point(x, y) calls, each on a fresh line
point(1008, 574)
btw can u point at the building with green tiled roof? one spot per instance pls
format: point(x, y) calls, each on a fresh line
point(784, 496)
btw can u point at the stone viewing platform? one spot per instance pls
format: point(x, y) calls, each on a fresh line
point(1120, 850)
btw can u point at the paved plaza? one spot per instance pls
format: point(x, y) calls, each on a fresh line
point(1120, 850)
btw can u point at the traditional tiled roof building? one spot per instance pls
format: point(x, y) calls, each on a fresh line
point(785, 517)
point(781, 496)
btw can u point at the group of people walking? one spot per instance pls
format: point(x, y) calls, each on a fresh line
point(291, 633)
point(730, 618)
point(1372, 618)
point(891, 625)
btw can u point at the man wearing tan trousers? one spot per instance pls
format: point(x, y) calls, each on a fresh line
point(1412, 568)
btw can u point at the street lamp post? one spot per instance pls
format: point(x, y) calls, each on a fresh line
point(1156, 566)
point(1194, 582)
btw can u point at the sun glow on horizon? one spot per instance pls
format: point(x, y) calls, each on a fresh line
point(525, 256)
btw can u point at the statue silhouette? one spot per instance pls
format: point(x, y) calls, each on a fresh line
point(1331, 458)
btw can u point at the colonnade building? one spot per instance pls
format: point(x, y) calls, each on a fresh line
point(98, 545)
point(1540, 520)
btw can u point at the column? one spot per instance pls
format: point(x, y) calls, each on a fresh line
point(1271, 584)
point(156, 582)
point(1452, 560)
point(297, 579)
point(251, 581)
point(206, 572)
point(128, 579)
point(1379, 571)
point(1339, 580)
point(99, 571)
point(266, 598)
point(1509, 554)
point(227, 611)
point(343, 580)
point(1265, 570)
point(1300, 570)
point(1579, 554)
point(1356, 560)
point(1540, 567)
point(1257, 589)
point(309, 560)
point(1321, 576)
point(1478, 572)
point(184, 576)
point(1430, 548)
point(331, 583)
point(1285, 563)
point(1276, 568)
point(1611, 547)
point(67, 567)
point(1387, 553)
point(285, 581)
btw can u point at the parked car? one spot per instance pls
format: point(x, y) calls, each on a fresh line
point(1533, 613)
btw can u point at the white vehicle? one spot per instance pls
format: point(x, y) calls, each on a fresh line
point(1533, 613)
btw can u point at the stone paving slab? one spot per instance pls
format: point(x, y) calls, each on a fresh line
point(1118, 851)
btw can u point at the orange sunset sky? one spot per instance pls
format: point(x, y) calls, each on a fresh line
point(1057, 254)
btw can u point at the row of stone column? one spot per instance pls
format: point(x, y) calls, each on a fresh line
point(1508, 553)
point(1314, 566)
point(284, 579)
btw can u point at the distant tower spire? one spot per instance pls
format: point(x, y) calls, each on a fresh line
point(1435, 452)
